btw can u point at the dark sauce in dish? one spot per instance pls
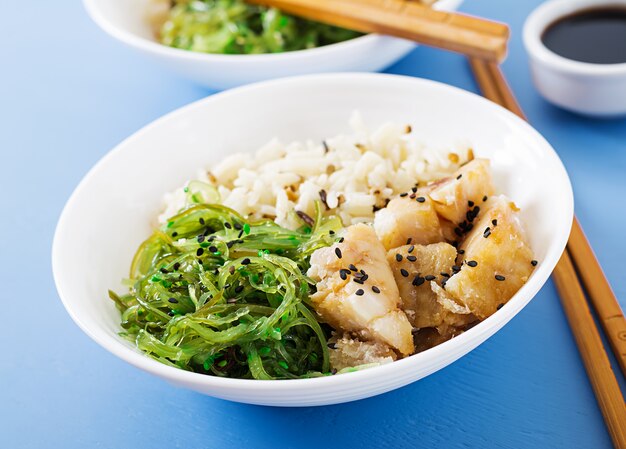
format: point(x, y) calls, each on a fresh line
point(596, 35)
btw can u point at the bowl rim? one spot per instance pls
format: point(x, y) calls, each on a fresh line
point(153, 46)
point(549, 12)
point(539, 277)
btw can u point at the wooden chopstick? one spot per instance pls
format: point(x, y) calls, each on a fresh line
point(407, 19)
point(493, 85)
point(605, 303)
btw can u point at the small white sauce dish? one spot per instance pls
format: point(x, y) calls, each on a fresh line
point(104, 222)
point(126, 21)
point(590, 89)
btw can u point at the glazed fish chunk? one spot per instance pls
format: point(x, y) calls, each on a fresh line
point(416, 268)
point(496, 259)
point(356, 291)
point(411, 216)
point(470, 184)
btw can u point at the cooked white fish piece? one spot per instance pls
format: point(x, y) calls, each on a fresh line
point(356, 291)
point(408, 217)
point(418, 270)
point(453, 196)
point(348, 352)
point(496, 259)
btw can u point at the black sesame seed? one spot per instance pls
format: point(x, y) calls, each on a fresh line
point(213, 249)
point(331, 232)
point(456, 268)
point(499, 277)
point(176, 266)
point(418, 280)
point(402, 195)
point(460, 176)
point(163, 270)
point(375, 289)
point(420, 199)
point(352, 267)
point(461, 251)
point(399, 257)
point(487, 232)
point(534, 263)
point(362, 272)
point(414, 189)
point(409, 240)
point(230, 244)
point(484, 198)
point(201, 220)
point(458, 231)
point(412, 196)
point(201, 238)
point(338, 253)
point(246, 261)
point(173, 300)
point(500, 306)
point(171, 313)
point(333, 371)
point(227, 225)
point(411, 248)
point(404, 273)
point(174, 234)
point(305, 217)
point(341, 240)
point(240, 234)
point(469, 227)
point(364, 277)
point(470, 203)
point(430, 277)
point(494, 222)
point(343, 274)
point(445, 275)
point(359, 292)
point(472, 263)
point(324, 198)
point(199, 252)
point(239, 289)
point(238, 226)
point(358, 281)
point(411, 258)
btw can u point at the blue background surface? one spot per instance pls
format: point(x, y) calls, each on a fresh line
point(69, 93)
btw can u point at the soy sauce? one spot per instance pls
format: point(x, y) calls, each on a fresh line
point(596, 35)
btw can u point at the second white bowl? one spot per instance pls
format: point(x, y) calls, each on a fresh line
point(126, 21)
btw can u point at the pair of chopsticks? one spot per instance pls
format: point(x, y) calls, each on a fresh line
point(577, 263)
point(408, 19)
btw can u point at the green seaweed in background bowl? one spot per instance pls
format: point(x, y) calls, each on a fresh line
point(235, 27)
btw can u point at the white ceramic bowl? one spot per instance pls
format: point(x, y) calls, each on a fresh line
point(111, 211)
point(126, 21)
point(591, 89)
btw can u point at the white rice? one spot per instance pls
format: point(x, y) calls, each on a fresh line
point(359, 172)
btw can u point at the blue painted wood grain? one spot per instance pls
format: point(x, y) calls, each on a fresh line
point(68, 94)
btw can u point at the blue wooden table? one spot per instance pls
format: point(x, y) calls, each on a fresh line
point(68, 94)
